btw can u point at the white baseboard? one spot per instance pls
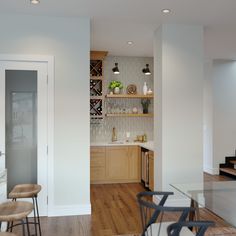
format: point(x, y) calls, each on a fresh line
point(212, 171)
point(70, 210)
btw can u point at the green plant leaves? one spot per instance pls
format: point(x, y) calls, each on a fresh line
point(115, 83)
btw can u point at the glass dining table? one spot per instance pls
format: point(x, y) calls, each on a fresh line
point(218, 197)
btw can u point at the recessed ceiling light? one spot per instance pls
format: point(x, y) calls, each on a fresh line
point(35, 1)
point(130, 42)
point(166, 11)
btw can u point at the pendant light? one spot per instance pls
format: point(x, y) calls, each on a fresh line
point(35, 1)
point(116, 69)
point(146, 70)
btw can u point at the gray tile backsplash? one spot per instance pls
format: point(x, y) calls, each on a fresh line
point(130, 73)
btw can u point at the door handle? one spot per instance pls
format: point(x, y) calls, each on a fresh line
point(2, 154)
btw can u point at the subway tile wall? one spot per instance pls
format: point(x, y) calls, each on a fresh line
point(130, 73)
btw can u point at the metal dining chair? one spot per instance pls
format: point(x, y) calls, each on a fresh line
point(201, 226)
point(152, 215)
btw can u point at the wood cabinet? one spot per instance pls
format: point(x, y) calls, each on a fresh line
point(134, 153)
point(97, 164)
point(151, 170)
point(119, 164)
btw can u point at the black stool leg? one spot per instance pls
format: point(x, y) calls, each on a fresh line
point(27, 224)
point(35, 222)
point(11, 224)
point(7, 226)
point(37, 209)
point(23, 227)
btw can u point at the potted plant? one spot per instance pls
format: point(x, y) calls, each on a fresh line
point(145, 104)
point(115, 86)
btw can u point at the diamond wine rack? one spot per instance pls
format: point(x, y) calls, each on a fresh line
point(96, 84)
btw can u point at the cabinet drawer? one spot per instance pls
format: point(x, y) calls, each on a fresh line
point(97, 160)
point(94, 150)
point(97, 173)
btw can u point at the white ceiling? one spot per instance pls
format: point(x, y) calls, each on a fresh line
point(114, 22)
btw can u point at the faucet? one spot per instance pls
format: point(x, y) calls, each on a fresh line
point(114, 136)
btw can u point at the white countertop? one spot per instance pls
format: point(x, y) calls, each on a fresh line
point(148, 145)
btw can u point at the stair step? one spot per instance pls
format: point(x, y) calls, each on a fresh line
point(233, 162)
point(229, 171)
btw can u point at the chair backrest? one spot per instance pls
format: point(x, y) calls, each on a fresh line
point(152, 212)
point(201, 226)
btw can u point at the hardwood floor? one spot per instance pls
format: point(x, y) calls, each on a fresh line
point(208, 177)
point(114, 211)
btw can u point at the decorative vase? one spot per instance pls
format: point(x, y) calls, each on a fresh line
point(145, 89)
point(145, 104)
point(145, 110)
point(116, 90)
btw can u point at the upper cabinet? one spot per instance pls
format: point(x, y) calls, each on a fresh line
point(96, 83)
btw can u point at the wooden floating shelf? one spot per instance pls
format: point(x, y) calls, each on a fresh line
point(96, 77)
point(129, 115)
point(96, 97)
point(98, 55)
point(96, 117)
point(128, 96)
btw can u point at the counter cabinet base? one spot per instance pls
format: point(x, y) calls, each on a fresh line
point(120, 164)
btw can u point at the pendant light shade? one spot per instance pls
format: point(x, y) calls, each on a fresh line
point(35, 1)
point(146, 70)
point(116, 69)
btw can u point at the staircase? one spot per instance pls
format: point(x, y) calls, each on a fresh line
point(229, 167)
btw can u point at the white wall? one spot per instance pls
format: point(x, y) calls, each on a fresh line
point(68, 39)
point(224, 112)
point(178, 83)
point(208, 119)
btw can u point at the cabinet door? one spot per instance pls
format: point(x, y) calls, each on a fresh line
point(117, 164)
point(151, 170)
point(134, 163)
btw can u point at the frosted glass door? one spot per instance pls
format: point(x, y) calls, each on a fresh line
point(21, 127)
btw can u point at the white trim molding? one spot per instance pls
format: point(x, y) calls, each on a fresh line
point(50, 70)
point(70, 210)
point(212, 171)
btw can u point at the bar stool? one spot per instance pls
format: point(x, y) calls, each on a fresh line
point(15, 211)
point(28, 191)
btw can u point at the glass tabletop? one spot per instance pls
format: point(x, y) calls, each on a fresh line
point(218, 197)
